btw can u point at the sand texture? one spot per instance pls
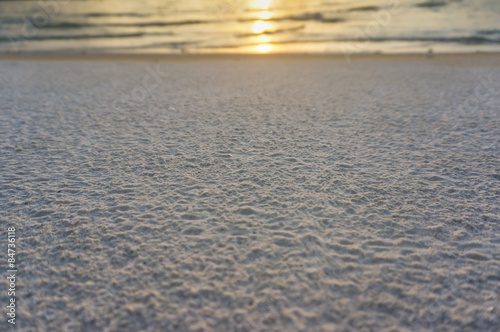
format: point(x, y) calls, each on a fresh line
point(247, 195)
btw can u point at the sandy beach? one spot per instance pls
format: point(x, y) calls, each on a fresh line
point(252, 193)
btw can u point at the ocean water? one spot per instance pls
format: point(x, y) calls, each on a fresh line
point(250, 26)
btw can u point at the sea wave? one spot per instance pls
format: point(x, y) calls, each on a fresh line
point(232, 22)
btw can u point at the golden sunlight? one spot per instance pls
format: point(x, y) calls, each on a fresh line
point(261, 4)
point(264, 15)
point(264, 48)
point(262, 39)
point(261, 27)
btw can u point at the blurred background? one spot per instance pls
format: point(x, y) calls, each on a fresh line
point(249, 26)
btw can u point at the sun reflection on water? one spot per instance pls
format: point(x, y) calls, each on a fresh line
point(264, 48)
point(263, 26)
point(261, 4)
point(264, 15)
point(259, 27)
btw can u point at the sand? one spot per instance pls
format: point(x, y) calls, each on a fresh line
point(252, 193)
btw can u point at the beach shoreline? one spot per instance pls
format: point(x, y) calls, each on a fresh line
point(451, 58)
